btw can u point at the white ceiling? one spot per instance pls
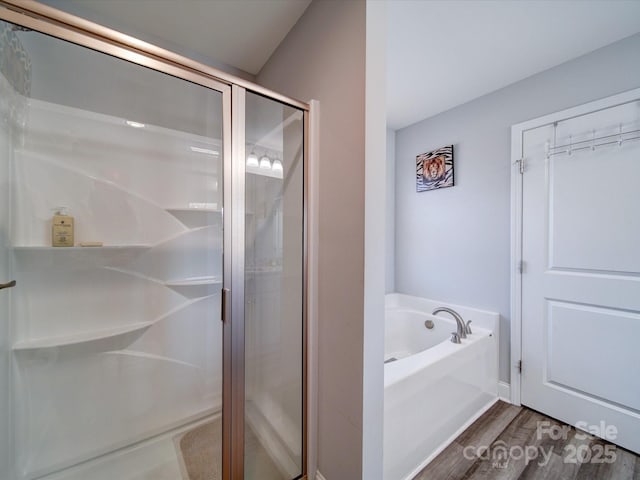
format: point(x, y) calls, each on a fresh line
point(239, 33)
point(444, 53)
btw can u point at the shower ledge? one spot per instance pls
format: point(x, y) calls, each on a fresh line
point(196, 217)
point(67, 340)
point(95, 335)
point(193, 282)
point(33, 258)
point(104, 248)
point(195, 287)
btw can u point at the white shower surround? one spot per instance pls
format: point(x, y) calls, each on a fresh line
point(436, 388)
point(70, 362)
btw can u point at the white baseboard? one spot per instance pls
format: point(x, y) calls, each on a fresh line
point(319, 476)
point(504, 392)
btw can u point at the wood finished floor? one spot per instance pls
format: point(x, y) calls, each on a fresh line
point(504, 425)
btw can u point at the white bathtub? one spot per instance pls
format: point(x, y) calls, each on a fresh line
point(435, 388)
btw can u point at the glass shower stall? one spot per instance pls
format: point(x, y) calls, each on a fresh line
point(167, 339)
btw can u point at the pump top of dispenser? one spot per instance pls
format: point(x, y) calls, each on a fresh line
point(61, 211)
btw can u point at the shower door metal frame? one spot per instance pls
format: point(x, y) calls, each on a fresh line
point(64, 26)
point(235, 392)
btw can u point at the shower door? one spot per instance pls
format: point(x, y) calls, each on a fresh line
point(112, 348)
point(273, 289)
point(168, 341)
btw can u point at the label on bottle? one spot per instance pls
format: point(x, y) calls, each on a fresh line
point(62, 231)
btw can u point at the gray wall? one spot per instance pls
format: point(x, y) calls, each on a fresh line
point(390, 213)
point(323, 58)
point(453, 244)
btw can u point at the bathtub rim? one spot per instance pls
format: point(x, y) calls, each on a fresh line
point(395, 372)
point(484, 322)
point(441, 322)
point(479, 317)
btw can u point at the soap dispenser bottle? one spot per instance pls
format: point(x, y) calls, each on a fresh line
point(62, 228)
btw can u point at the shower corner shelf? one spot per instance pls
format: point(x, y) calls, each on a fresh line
point(194, 282)
point(69, 340)
point(115, 248)
point(196, 287)
point(196, 217)
point(106, 253)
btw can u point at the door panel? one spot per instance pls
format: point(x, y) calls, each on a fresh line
point(115, 350)
point(603, 191)
point(581, 284)
point(274, 259)
point(600, 375)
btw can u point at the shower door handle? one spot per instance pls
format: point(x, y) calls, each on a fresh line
point(11, 284)
point(223, 305)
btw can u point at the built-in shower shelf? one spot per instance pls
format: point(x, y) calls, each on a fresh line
point(196, 287)
point(68, 340)
point(109, 248)
point(194, 282)
point(34, 258)
point(196, 217)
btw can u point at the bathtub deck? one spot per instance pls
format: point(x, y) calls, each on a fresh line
point(513, 427)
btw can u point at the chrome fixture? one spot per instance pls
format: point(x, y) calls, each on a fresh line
point(428, 324)
point(468, 328)
point(455, 338)
point(462, 328)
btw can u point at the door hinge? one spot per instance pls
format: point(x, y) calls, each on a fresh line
point(521, 267)
point(519, 366)
point(521, 165)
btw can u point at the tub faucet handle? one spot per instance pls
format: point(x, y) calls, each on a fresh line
point(455, 338)
point(468, 328)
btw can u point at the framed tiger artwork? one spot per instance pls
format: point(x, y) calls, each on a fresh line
point(434, 169)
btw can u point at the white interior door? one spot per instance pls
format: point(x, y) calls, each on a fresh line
point(581, 279)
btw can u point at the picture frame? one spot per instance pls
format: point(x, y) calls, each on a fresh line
point(434, 169)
